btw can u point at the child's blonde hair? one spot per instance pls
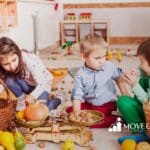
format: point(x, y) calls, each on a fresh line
point(92, 42)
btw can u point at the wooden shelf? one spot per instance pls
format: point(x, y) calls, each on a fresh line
point(11, 0)
point(99, 26)
point(8, 14)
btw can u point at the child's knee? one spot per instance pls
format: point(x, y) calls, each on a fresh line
point(10, 82)
point(123, 102)
point(52, 104)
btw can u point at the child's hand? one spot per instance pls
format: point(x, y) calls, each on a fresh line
point(76, 105)
point(131, 77)
point(30, 99)
point(77, 113)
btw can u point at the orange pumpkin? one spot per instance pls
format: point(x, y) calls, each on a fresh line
point(36, 112)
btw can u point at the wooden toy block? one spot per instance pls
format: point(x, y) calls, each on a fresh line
point(70, 16)
point(86, 15)
point(58, 74)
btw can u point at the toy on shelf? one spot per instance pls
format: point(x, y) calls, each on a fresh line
point(70, 16)
point(109, 55)
point(67, 45)
point(130, 52)
point(118, 55)
point(86, 16)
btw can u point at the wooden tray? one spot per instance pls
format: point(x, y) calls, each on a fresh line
point(96, 117)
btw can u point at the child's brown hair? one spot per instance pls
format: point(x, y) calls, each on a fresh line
point(8, 46)
point(91, 42)
point(144, 50)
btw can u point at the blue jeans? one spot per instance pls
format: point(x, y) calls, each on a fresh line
point(20, 86)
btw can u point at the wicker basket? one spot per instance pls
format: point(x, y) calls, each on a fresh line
point(7, 110)
point(96, 116)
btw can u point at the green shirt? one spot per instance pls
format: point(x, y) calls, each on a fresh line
point(141, 94)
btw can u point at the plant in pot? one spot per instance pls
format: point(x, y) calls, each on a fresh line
point(67, 45)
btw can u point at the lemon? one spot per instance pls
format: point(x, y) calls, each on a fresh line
point(7, 140)
point(128, 145)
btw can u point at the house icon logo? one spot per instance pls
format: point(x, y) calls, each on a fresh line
point(116, 127)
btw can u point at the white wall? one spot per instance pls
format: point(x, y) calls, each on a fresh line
point(124, 22)
point(23, 33)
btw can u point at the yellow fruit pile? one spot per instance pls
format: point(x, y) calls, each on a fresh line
point(9, 141)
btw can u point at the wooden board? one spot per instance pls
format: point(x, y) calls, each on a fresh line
point(58, 74)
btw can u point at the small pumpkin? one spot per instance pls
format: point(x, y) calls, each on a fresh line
point(128, 145)
point(36, 111)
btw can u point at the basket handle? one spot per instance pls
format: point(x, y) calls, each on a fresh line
point(9, 96)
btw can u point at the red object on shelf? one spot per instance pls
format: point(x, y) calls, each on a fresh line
point(86, 13)
point(71, 14)
point(56, 6)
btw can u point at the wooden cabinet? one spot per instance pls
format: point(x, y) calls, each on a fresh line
point(8, 14)
point(74, 30)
